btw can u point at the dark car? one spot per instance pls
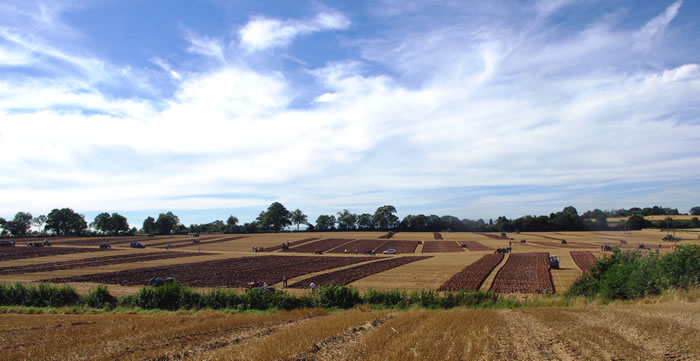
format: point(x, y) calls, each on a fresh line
point(136, 245)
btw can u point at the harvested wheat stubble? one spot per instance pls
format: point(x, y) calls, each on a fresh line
point(399, 246)
point(524, 273)
point(206, 242)
point(111, 240)
point(441, 246)
point(291, 244)
point(490, 235)
point(14, 253)
point(472, 276)
point(232, 272)
point(181, 241)
point(437, 235)
point(559, 245)
point(94, 262)
point(583, 259)
point(349, 275)
point(541, 236)
point(476, 246)
point(322, 245)
point(360, 246)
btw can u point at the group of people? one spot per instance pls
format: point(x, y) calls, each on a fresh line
point(257, 249)
point(266, 287)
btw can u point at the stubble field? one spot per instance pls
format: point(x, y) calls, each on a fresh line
point(659, 331)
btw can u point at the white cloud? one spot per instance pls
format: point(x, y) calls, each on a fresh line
point(165, 66)
point(645, 38)
point(488, 108)
point(326, 98)
point(206, 46)
point(262, 33)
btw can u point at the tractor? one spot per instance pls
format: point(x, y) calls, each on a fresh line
point(553, 262)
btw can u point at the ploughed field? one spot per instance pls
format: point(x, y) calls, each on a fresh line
point(227, 260)
point(441, 246)
point(524, 273)
point(474, 275)
point(234, 272)
point(475, 246)
point(359, 246)
point(291, 244)
point(19, 252)
point(400, 246)
point(322, 245)
point(583, 259)
point(658, 331)
point(93, 262)
point(348, 275)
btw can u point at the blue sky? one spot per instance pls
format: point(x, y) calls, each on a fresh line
point(475, 109)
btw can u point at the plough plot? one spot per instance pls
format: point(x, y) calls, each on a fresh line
point(235, 272)
point(359, 246)
point(472, 276)
point(583, 259)
point(399, 246)
point(94, 262)
point(320, 246)
point(441, 246)
point(291, 244)
point(475, 246)
point(524, 273)
point(13, 253)
point(349, 275)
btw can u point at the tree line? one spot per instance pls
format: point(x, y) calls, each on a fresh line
point(66, 222)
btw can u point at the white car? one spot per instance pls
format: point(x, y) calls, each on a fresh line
point(390, 251)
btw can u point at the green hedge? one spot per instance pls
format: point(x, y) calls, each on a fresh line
point(629, 274)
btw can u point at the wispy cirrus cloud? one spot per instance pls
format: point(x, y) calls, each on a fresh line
point(654, 29)
point(262, 33)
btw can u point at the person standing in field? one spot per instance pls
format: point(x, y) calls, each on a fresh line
point(284, 281)
point(313, 287)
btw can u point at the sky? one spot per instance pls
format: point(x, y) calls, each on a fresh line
point(475, 109)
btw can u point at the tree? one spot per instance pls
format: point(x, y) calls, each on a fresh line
point(346, 220)
point(298, 217)
point(695, 222)
point(166, 223)
point(110, 224)
point(695, 211)
point(20, 225)
point(384, 217)
point(119, 224)
point(637, 222)
point(3, 223)
point(325, 223)
point(364, 221)
point(66, 222)
point(149, 225)
point(276, 217)
point(39, 223)
point(101, 222)
point(568, 220)
point(232, 224)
